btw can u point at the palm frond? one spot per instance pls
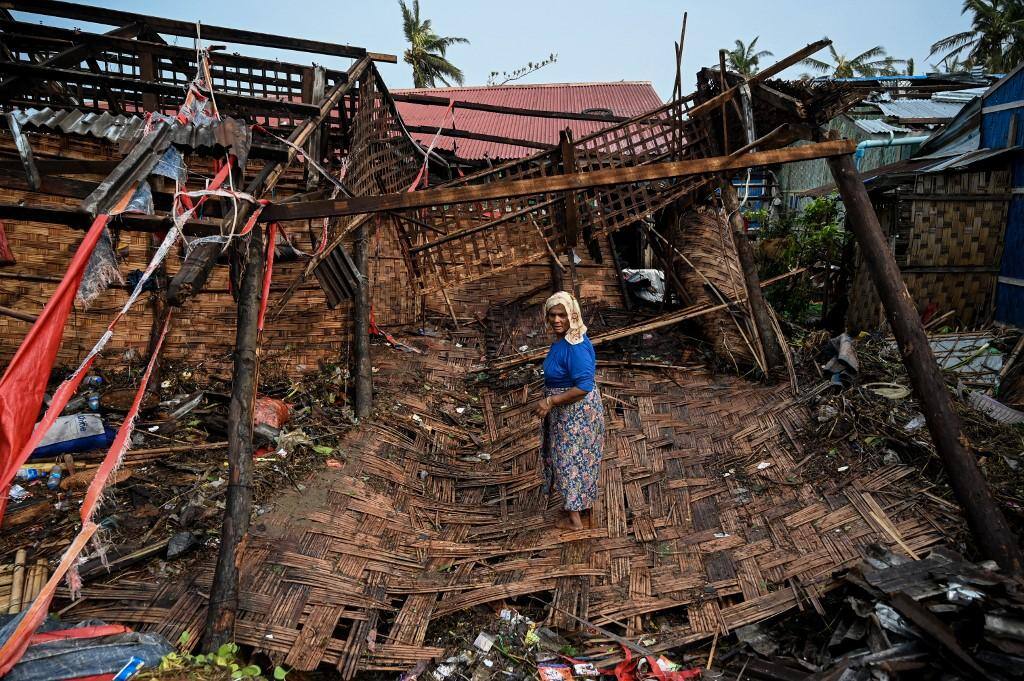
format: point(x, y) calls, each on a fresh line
point(953, 41)
point(817, 65)
point(876, 51)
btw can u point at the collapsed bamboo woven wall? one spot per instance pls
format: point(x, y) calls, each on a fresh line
point(946, 231)
point(706, 239)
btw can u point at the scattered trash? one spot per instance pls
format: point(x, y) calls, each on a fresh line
point(994, 408)
point(484, 641)
point(892, 391)
point(75, 433)
point(915, 424)
point(271, 411)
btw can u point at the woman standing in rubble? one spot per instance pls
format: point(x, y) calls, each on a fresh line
point(571, 412)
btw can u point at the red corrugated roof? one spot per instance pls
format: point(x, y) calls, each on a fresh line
point(622, 98)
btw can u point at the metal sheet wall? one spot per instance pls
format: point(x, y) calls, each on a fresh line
point(996, 126)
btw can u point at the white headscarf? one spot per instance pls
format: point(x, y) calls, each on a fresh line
point(576, 326)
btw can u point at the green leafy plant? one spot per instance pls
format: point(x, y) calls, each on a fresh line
point(215, 664)
point(813, 238)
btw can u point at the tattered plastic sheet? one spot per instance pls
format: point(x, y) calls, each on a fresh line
point(172, 165)
point(971, 357)
point(646, 284)
point(100, 272)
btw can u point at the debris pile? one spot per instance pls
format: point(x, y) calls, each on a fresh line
point(937, 617)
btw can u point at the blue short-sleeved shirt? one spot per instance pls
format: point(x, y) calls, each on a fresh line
point(568, 366)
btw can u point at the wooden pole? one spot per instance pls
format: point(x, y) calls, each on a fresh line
point(987, 523)
point(770, 342)
point(363, 370)
point(220, 618)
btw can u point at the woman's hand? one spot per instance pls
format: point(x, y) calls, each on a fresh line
point(543, 407)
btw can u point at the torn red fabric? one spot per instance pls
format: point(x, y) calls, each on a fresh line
point(13, 649)
point(6, 257)
point(268, 273)
point(24, 383)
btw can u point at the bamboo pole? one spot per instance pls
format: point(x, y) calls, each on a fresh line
point(986, 520)
point(18, 583)
point(771, 344)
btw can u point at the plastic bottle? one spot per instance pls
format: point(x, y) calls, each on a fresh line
point(53, 481)
point(29, 474)
point(93, 381)
point(82, 403)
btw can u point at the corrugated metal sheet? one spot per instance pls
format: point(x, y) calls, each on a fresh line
point(959, 96)
point(904, 109)
point(228, 133)
point(966, 160)
point(995, 131)
point(622, 99)
point(875, 126)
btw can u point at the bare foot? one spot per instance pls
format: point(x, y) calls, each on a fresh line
point(570, 521)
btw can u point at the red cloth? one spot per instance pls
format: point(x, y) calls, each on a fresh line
point(268, 272)
point(24, 383)
point(6, 257)
point(13, 649)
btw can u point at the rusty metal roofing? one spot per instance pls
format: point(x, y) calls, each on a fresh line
point(625, 98)
point(216, 136)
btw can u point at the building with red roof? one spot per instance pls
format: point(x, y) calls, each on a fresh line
point(617, 100)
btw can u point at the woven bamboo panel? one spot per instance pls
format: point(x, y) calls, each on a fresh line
point(706, 239)
point(485, 238)
point(962, 233)
point(599, 284)
point(702, 511)
point(948, 248)
point(201, 334)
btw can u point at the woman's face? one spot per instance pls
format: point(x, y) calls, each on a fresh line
point(558, 318)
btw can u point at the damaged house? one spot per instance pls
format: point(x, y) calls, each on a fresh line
point(251, 218)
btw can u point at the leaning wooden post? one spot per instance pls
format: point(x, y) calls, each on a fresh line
point(220, 618)
point(770, 341)
point(986, 521)
point(361, 326)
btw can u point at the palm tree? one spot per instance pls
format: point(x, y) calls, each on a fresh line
point(995, 39)
point(744, 59)
point(426, 53)
point(868, 63)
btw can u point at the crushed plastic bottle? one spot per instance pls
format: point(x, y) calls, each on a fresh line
point(53, 480)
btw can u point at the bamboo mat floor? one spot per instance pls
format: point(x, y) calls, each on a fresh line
point(704, 520)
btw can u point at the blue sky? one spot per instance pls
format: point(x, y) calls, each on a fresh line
point(595, 40)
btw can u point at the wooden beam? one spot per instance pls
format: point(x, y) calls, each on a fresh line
point(570, 207)
point(482, 136)
point(251, 104)
point(659, 322)
point(21, 33)
point(84, 47)
point(220, 617)
point(192, 276)
point(771, 344)
point(187, 29)
point(432, 100)
point(987, 523)
point(545, 185)
point(80, 219)
point(65, 166)
point(363, 366)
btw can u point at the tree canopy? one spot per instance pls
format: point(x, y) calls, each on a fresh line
point(427, 53)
